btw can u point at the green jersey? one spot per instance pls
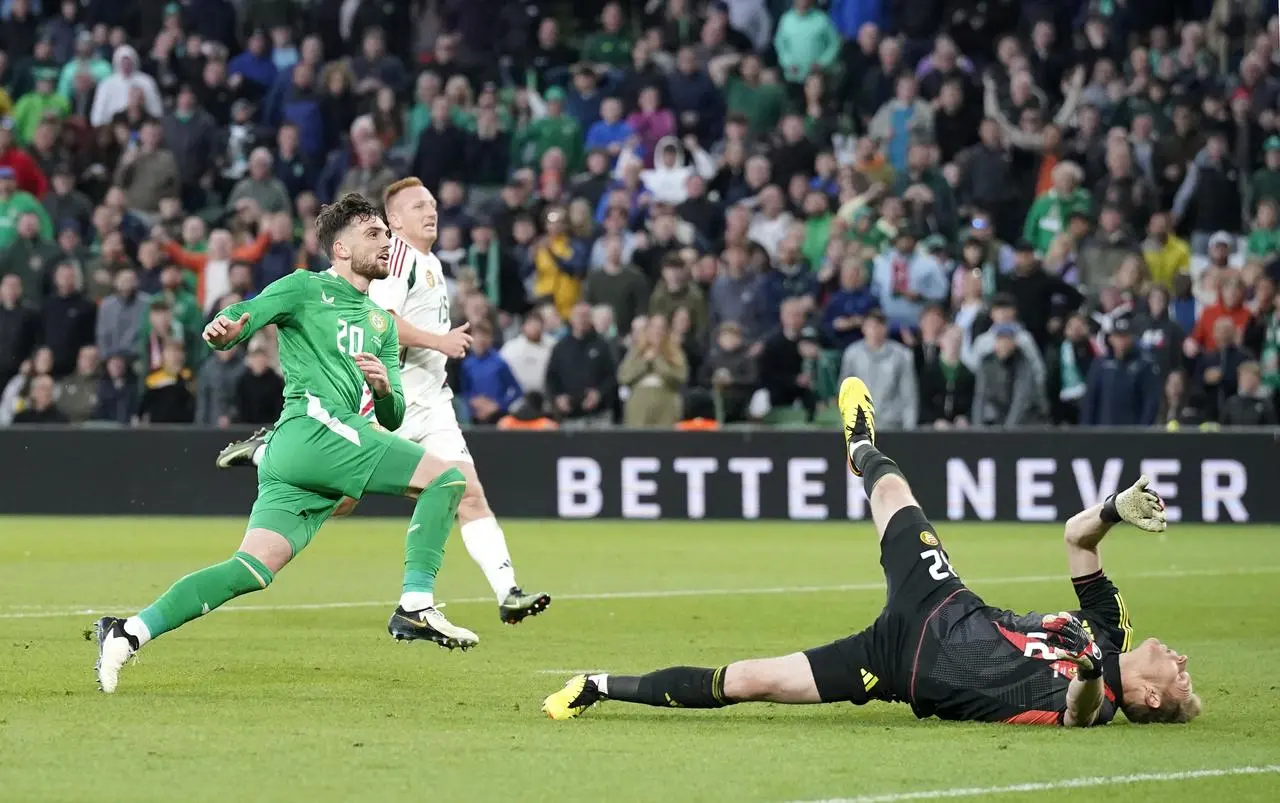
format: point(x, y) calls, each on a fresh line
point(323, 322)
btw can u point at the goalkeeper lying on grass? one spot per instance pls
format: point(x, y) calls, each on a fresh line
point(936, 645)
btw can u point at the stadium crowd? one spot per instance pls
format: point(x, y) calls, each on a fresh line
point(996, 212)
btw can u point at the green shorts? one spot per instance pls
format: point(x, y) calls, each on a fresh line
point(312, 462)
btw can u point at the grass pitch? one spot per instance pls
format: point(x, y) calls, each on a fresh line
point(298, 694)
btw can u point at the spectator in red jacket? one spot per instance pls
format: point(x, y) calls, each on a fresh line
point(29, 175)
point(1230, 305)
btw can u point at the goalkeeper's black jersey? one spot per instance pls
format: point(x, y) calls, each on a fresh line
point(976, 662)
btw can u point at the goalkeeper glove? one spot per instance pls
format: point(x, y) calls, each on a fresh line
point(1138, 505)
point(1072, 642)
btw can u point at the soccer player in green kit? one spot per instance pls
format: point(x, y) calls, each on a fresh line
point(333, 340)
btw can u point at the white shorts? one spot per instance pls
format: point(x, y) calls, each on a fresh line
point(436, 429)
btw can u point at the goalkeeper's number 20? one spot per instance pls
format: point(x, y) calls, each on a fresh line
point(940, 569)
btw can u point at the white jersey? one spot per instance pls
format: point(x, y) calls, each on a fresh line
point(415, 290)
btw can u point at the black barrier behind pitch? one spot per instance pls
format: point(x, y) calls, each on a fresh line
point(799, 475)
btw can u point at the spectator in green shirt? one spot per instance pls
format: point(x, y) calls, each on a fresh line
point(805, 40)
point(1050, 212)
point(748, 94)
point(1264, 239)
point(13, 204)
point(37, 104)
point(1265, 183)
point(817, 227)
point(610, 46)
point(555, 130)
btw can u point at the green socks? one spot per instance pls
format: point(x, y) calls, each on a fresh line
point(429, 528)
point(200, 592)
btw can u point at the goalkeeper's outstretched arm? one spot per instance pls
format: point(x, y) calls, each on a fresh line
point(1083, 533)
point(1137, 505)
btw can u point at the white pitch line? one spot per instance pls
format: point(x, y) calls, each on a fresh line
point(1172, 574)
point(1049, 786)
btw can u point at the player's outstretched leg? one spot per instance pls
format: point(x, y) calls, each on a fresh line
point(247, 452)
point(883, 482)
point(487, 545)
point(785, 679)
point(249, 569)
point(417, 618)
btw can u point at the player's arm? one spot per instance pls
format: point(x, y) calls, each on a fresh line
point(1138, 505)
point(1072, 641)
point(452, 344)
point(389, 409)
point(392, 294)
point(1084, 701)
point(238, 322)
point(1100, 600)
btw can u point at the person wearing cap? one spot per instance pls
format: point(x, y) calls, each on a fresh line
point(86, 60)
point(905, 280)
point(1209, 196)
point(1123, 388)
point(39, 103)
point(888, 368)
point(1223, 260)
point(112, 96)
point(1006, 391)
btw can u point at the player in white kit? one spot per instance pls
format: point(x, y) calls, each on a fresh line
point(416, 294)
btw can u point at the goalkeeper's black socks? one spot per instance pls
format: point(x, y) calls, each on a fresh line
point(676, 687)
point(871, 463)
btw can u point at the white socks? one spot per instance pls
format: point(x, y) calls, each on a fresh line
point(488, 548)
point(258, 453)
point(602, 683)
point(854, 447)
point(136, 628)
point(417, 600)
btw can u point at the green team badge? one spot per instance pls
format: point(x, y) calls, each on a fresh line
point(378, 321)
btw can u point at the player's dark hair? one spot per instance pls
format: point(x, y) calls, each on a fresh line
point(335, 217)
